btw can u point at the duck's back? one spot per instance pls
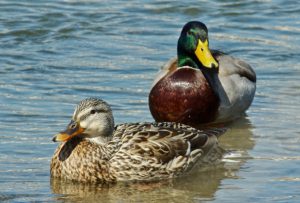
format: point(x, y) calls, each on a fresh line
point(161, 150)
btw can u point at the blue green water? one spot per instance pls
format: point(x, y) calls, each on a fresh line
point(55, 53)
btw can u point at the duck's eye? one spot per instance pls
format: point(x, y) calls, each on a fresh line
point(189, 32)
point(73, 126)
point(93, 111)
point(201, 49)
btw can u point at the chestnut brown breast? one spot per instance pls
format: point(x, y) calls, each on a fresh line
point(183, 96)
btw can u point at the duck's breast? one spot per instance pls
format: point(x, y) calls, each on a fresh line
point(183, 96)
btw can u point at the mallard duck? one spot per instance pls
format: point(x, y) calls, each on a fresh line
point(93, 150)
point(201, 85)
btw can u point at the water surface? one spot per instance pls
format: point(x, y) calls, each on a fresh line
point(55, 53)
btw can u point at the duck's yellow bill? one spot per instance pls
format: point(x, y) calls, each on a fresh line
point(204, 55)
point(71, 131)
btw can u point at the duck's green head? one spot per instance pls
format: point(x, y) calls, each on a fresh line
point(193, 47)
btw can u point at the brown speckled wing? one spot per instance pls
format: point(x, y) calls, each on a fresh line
point(159, 150)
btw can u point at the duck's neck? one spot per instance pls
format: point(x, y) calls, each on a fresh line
point(211, 76)
point(99, 140)
point(185, 60)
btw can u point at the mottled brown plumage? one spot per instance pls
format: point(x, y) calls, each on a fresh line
point(134, 151)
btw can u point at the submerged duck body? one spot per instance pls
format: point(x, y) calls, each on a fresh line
point(94, 151)
point(201, 86)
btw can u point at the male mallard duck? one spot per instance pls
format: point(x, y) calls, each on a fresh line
point(201, 85)
point(94, 151)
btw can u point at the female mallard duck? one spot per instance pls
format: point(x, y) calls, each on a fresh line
point(94, 151)
point(201, 85)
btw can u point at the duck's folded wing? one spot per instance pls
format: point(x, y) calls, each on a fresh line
point(234, 66)
point(163, 149)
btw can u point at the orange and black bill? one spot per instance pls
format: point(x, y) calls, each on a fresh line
point(73, 129)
